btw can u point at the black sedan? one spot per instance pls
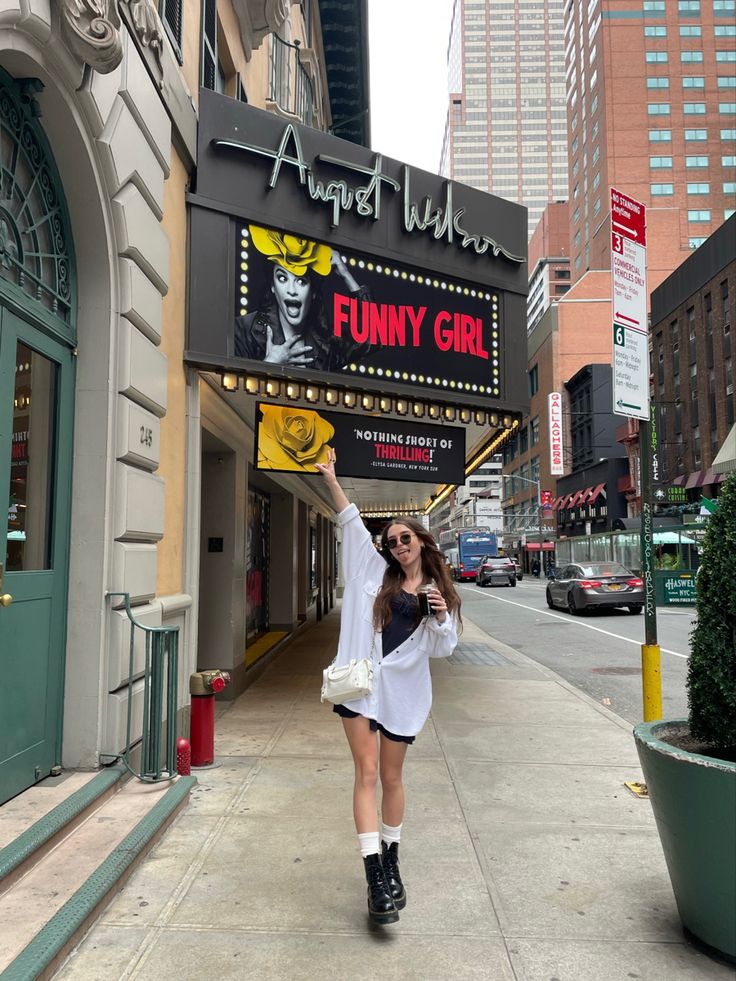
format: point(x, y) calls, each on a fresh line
point(495, 572)
point(578, 588)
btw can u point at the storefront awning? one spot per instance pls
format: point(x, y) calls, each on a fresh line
point(595, 493)
point(561, 502)
point(703, 478)
point(578, 497)
point(725, 461)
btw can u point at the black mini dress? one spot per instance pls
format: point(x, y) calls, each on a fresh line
point(404, 621)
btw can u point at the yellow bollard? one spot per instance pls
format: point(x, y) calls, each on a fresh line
point(651, 682)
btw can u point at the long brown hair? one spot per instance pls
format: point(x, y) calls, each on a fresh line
point(434, 567)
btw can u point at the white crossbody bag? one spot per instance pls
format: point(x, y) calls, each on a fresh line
point(348, 681)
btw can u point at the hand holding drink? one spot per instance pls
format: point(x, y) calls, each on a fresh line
point(431, 602)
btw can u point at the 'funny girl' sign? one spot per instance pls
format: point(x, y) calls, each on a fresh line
point(303, 304)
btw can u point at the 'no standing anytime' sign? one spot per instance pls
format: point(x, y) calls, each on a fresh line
point(629, 295)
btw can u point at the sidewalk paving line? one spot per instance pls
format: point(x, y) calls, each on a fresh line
point(154, 932)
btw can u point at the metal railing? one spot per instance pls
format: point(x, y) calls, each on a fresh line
point(290, 86)
point(160, 683)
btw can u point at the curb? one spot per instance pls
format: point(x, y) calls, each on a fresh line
point(525, 661)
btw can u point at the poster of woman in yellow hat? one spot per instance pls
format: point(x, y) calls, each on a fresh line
point(289, 327)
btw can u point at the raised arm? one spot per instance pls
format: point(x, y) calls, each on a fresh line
point(359, 555)
point(339, 498)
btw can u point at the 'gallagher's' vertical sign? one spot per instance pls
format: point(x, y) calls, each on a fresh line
point(556, 462)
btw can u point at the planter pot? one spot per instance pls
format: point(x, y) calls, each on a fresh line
point(694, 802)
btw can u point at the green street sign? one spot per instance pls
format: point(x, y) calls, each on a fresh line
point(679, 590)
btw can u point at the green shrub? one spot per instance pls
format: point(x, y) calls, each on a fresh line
point(711, 680)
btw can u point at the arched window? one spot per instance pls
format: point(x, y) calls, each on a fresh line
point(36, 254)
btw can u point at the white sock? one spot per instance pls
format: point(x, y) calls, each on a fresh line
point(369, 843)
point(391, 835)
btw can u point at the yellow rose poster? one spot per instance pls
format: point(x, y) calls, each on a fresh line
point(293, 439)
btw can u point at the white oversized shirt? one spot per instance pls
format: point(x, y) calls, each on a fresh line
point(402, 685)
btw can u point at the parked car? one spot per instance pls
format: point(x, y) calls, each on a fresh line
point(578, 588)
point(519, 568)
point(494, 571)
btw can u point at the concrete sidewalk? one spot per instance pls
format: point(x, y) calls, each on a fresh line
point(523, 854)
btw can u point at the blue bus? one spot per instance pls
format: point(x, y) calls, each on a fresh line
point(465, 548)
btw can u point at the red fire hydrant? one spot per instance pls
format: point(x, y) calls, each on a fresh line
point(203, 685)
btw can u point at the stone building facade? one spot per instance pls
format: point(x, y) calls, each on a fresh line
point(101, 441)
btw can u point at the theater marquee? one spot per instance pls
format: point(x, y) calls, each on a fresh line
point(318, 260)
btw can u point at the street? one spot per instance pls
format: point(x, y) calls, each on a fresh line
point(599, 653)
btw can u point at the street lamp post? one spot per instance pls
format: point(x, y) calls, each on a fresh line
point(538, 485)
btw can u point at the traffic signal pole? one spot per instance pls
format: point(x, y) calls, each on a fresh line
point(650, 650)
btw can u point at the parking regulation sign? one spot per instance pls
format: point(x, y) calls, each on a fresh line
point(629, 301)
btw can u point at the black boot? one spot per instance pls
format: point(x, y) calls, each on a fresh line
point(381, 907)
point(391, 868)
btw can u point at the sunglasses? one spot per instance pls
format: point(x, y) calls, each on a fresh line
point(404, 538)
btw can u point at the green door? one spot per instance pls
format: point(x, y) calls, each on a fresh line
point(36, 412)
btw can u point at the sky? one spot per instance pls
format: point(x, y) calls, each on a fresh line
point(408, 58)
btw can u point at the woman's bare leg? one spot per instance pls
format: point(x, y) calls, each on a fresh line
point(392, 755)
point(364, 747)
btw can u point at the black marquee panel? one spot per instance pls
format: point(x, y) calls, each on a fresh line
point(400, 282)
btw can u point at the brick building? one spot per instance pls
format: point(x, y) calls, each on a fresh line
point(692, 362)
point(651, 95)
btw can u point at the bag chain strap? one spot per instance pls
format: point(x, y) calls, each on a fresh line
point(373, 651)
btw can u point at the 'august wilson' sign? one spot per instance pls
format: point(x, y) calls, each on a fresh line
point(440, 219)
point(293, 439)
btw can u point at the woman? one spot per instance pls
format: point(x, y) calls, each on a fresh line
point(381, 620)
point(290, 328)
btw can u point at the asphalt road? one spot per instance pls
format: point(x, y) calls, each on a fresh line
point(600, 653)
